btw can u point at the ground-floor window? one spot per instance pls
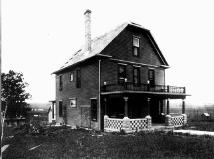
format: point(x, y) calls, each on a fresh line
point(94, 109)
point(60, 108)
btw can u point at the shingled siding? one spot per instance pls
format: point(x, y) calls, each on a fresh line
point(89, 89)
point(121, 48)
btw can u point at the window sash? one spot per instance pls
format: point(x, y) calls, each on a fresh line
point(72, 77)
point(121, 73)
point(73, 102)
point(136, 75)
point(60, 82)
point(94, 109)
point(78, 82)
point(136, 42)
point(60, 108)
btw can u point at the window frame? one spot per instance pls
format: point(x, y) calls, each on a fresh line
point(119, 77)
point(73, 99)
point(78, 78)
point(60, 82)
point(149, 78)
point(135, 47)
point(71, 75)
point(94, 110)
point(138, 76)
point(60, 108)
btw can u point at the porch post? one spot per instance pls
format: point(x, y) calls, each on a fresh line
point(105, 101)
point(183, 112)
point(183, 106)
point(168, 116)
point(168, 111)
point(126, 121)
point(148, 106)
point(148, 117)
point(126, 106)
point(105, 115)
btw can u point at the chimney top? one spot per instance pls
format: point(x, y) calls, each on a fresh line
point(87, 11)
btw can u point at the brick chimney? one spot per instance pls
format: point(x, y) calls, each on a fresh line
point(87, 30)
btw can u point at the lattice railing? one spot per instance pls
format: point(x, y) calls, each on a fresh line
point(114, 124)
point(177, 120)
point(138, 124)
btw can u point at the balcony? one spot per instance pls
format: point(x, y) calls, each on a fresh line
point(144, 88)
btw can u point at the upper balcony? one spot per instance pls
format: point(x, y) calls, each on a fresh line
point(143, 88)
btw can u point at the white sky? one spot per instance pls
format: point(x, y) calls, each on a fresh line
point(38, 36)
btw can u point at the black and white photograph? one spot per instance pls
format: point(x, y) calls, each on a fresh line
point(92, 79)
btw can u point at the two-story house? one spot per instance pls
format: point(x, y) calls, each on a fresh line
point(116, 81)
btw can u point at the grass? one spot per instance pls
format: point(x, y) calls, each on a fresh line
point(63, 142)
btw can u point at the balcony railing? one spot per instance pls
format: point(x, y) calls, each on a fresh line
point(142, 87)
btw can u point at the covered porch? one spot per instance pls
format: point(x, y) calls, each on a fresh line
point(136, 111)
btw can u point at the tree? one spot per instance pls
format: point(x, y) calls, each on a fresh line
point(13, 95)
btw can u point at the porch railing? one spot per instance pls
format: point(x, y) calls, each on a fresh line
point(138, 124)
point(177, 120)
point(114, 124)
point(142, 87)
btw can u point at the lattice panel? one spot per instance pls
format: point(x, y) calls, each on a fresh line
point(177, 121)
point(114, 124)
point(138, 124)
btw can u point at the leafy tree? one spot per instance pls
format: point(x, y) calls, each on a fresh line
point(14, 95)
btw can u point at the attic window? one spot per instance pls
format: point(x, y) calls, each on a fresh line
point(136, 45)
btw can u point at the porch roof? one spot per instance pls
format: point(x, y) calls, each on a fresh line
point(164, 95)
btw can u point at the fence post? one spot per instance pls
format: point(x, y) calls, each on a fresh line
point(168, 88)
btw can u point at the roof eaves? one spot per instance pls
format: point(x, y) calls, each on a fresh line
point(157, 48)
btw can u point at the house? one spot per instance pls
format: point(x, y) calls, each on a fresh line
point(117, 81)
point(9, 122)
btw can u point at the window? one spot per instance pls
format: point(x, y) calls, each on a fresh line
point(151, 76)
point(136, 76)
point(73, 102)
point(72, 77)
point(60, 108)
point(60, 82)
point(53, 111)
point(121, 74)
point(136, 45)
point(78, 74)
point(94, 109)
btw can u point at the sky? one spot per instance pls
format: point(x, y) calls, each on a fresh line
point(38, 36)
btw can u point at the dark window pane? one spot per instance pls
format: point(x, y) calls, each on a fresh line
point(78, 82)
point(94, 109)
point(60, 108)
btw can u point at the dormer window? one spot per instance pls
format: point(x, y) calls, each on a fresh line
point(136, 45)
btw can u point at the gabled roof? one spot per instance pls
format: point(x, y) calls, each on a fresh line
point(99, 43)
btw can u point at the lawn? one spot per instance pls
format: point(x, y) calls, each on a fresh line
point(64, 142)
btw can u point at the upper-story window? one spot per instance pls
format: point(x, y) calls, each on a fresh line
point(60, 82)
point(136, 75)
point(71, 77)
point(78, 74)
point(121, 73)
point(136, 45)
point(60, 108)
point(151, 76)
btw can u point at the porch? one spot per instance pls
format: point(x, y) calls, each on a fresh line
point(135, 108)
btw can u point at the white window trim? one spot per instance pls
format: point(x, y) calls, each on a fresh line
point(70, 99)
